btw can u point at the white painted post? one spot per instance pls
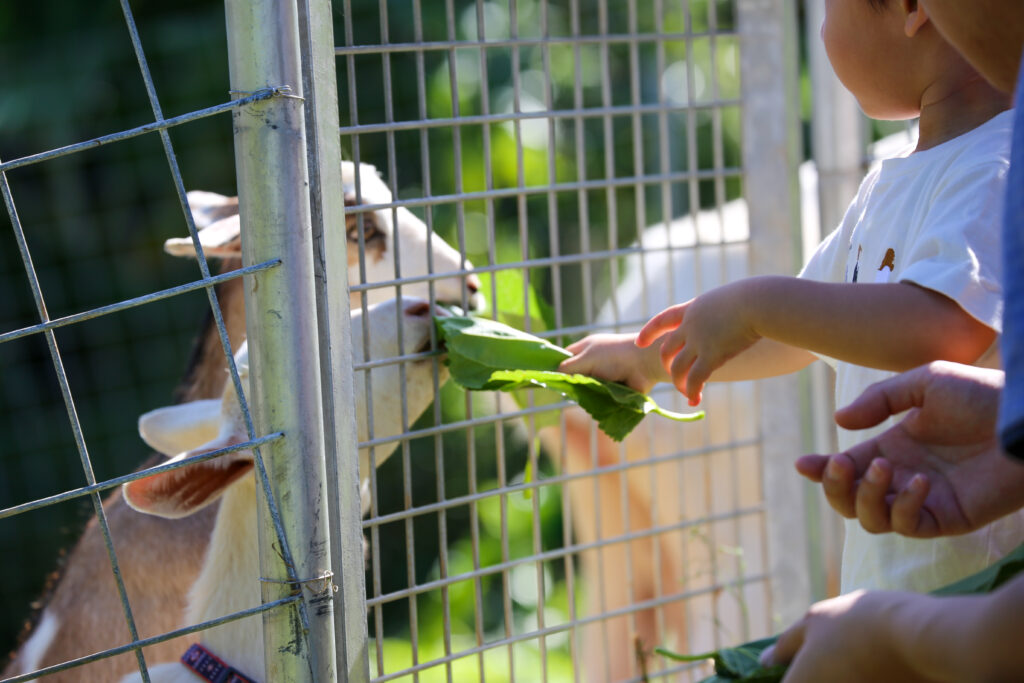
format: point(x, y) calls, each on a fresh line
point(273, 188)
point(771, 154)
point(838, 153)
point(330, 250)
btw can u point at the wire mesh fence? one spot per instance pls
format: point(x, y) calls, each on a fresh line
point(587, 163)
point(56, 624)
point(588, 159)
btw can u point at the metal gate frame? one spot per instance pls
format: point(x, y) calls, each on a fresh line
point(769, 36)
point(272, 165)
point(771, 142)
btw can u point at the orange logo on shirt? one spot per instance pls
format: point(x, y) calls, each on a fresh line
point(888, 265)
point(889, 261)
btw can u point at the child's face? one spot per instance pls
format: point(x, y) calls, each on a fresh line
point(870, 54)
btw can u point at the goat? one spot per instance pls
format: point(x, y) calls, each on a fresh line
point(228, 581)
point(160, 558)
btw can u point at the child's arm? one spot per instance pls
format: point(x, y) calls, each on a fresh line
point(894, 326)
point(617, 358)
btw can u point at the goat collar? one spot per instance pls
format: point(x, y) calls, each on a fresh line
point(211, 668)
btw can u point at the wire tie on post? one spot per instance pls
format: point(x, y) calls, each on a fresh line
point(325, 583)
point(271, 91)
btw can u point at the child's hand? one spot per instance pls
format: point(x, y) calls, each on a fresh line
point(702, 334)
point(616, 358)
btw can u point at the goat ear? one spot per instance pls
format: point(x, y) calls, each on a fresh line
point(209, 207)
point(216, 217)
point(221, 239)
point(181, 492)
point(373, 189)
point(180, 428)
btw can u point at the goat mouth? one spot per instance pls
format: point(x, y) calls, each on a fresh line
point(427, 347)
point(474, 305)
point(477, 302)
point(449, 308)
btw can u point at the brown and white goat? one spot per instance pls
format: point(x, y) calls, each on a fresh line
point(160, 558)
point(229, 580)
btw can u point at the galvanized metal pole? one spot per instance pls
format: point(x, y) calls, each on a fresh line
point(273, 188)
point(330, 261)
point(771, 154)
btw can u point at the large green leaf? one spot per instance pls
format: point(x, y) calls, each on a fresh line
point(735, 664)
point(515, 302)
point(476, 347)
point(489, 356)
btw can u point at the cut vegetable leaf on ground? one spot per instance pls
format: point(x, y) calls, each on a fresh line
point(484, 355)
point(740, 664)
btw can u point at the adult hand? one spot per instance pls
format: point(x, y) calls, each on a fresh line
point(940, 471)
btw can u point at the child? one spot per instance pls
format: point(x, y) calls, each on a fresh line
point(911, 275)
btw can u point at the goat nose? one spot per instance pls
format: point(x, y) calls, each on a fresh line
point(418, 310)
point(475, 301)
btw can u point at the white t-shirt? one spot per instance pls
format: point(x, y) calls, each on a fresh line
point(931, 218)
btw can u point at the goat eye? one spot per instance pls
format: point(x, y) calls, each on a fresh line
point(371, 233)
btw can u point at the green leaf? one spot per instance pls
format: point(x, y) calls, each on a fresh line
point(617, 408)
point(738, 661)
point(735, 664)
point(685, 658)
point(515, 302)
point(487, 355)
point(477, 346)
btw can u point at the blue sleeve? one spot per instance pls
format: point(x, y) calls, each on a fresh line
point(1011, 414)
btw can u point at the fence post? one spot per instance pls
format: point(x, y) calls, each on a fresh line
point(771, 154)
point(273, 188)
point(330, 251)
point(838, 152)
